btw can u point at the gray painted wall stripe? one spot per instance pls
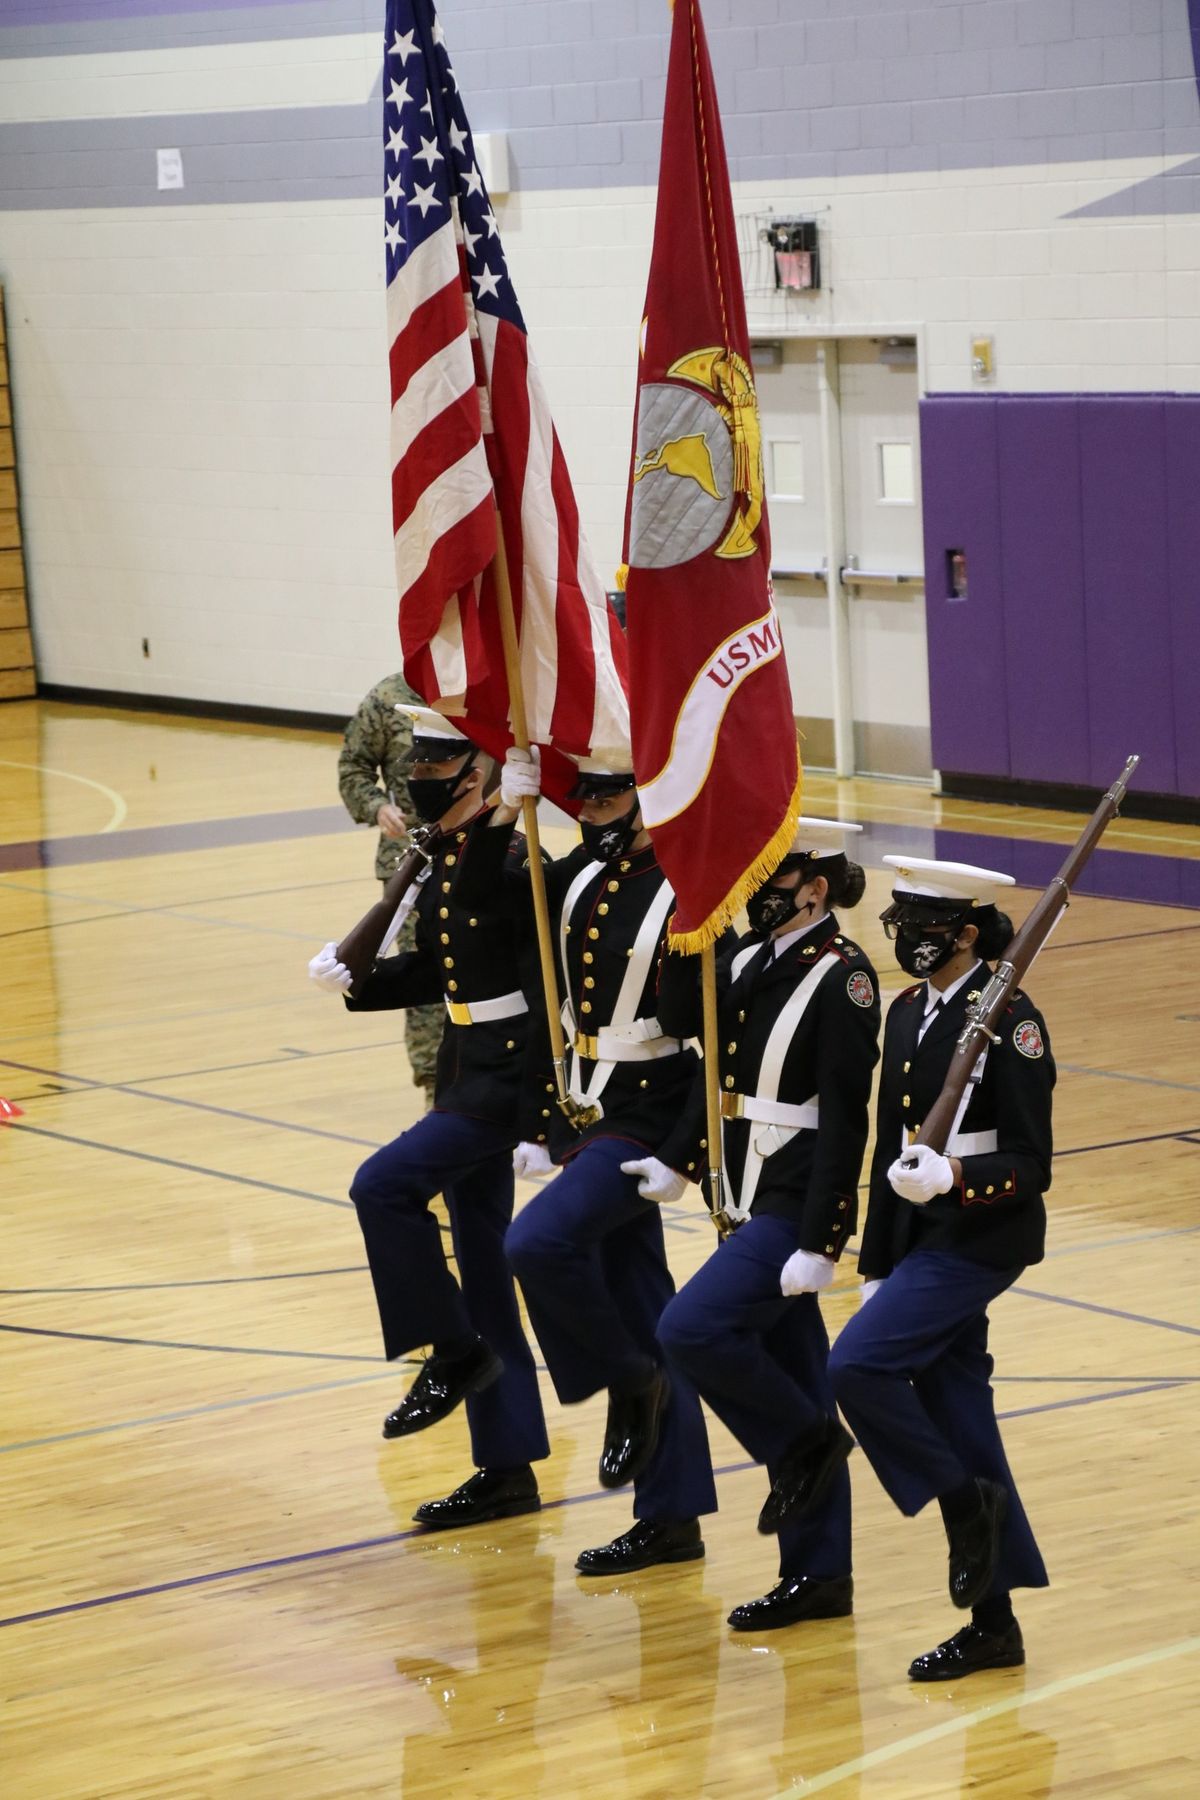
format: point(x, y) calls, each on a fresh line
point(45, 30)
point(578, 86)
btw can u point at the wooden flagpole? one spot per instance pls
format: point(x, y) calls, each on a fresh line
point(712, 1090)
point(537, 874)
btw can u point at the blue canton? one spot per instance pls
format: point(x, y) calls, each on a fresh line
point(429, 159)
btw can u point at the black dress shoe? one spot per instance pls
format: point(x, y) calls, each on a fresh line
point(804, 1475)
point(975, 1546)
point(440, 1387)
point(489, 1494)
point(648, 1541)
point(631, 1434)
point(969, 1650)
point(797, 1597)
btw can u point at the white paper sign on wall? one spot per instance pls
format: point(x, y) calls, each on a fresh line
point(170, 169)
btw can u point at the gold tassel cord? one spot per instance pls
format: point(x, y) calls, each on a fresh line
point(689, 943)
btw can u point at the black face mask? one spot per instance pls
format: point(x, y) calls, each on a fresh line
point(921, 952)
point(772, 907)
point(433, 795)
point(610, 841)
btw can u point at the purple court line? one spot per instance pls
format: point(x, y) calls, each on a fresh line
point(1127, 937)
point(1154, 1137)
point(165, 840)
point(223, 1112)
point(145, 1287)
point(301, 1557)
point(270, 1062)
point(1112, 1312)
point(169, 1162)
point(214, 1406)
point(104, 1337)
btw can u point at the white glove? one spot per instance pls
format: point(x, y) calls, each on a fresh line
point(530, 1160)
point(328, 973)
point(805, 1272)
point(656, 1181)
point(869, 1288)
point(929, 1174)
point(521, 777)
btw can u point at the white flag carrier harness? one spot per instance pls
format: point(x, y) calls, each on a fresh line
point(775, 1121)
point(625, 1038)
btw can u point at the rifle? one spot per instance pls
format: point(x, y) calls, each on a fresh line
point(360, 946)
point(982, 1016)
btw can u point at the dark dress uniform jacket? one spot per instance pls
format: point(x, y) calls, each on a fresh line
point(997, 1214)
point(813, 1178)
point(461, 956)
point(642, 1100)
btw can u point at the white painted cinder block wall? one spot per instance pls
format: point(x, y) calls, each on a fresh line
point(201, 389)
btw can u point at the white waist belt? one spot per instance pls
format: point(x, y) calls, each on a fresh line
point(972, 1143)
point(804, 1117)
point(483, 1012)
point(641, 1041)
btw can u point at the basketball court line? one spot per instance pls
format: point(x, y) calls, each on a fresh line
point(85, 1084)
point(195, 1412)
point(120, 810)
point(1184, 1087)
point(143, 1287)
point(300, 1557)
point(1112, 1312)
point(994, 1709)
point(170, 1162)
point(105, 1337)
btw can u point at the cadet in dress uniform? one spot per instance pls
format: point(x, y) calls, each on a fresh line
point(799, 1031)
point(945, 1235)
point(588, 1249)
point(468, 963)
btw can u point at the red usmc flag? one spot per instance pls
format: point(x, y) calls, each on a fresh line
point(714, 736)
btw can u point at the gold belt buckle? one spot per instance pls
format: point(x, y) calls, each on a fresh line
point(587, 1046)
point(731, 1106)
point(460, 1013)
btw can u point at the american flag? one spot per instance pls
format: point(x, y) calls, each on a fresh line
point(472, 433)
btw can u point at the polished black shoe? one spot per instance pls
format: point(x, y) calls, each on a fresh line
point(440, 1387)
point(631, 1434)
point(968, 1651)
point(648, 1541)
point(804, 1475)
point(975, 1546)
point(489, 1494)
point(797, 1597)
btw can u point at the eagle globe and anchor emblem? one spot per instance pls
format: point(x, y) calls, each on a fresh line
point(698, 454)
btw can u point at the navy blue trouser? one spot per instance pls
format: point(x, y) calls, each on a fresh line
point(469, 1162)
point(760, 1360)
point(590, 1257)
point(912, 1374)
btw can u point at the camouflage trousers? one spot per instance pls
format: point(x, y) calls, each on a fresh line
point(423, 1025)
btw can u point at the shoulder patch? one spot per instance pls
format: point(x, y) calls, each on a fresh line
point(860, 989)
point(1028, 1039)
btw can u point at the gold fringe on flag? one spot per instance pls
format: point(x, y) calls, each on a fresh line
point(690, 943)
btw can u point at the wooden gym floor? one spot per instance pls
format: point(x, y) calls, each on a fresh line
point(212, 1584)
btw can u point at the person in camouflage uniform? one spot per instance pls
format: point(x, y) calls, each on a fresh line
point(373, 783)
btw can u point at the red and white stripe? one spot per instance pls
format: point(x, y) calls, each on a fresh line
point(472, 431)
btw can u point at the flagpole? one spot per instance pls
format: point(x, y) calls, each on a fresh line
point(712, 1090)
point(537, 874)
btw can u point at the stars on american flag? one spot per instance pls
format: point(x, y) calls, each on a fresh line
point(430, 167)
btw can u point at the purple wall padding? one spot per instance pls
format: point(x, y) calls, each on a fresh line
point(967, 676)
point(1080, 636)
point(1123, 464)
point(1041, 546)
point(1183, 565)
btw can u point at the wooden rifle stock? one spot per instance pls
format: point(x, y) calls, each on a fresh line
point(360, 946)
point(979, 1029)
